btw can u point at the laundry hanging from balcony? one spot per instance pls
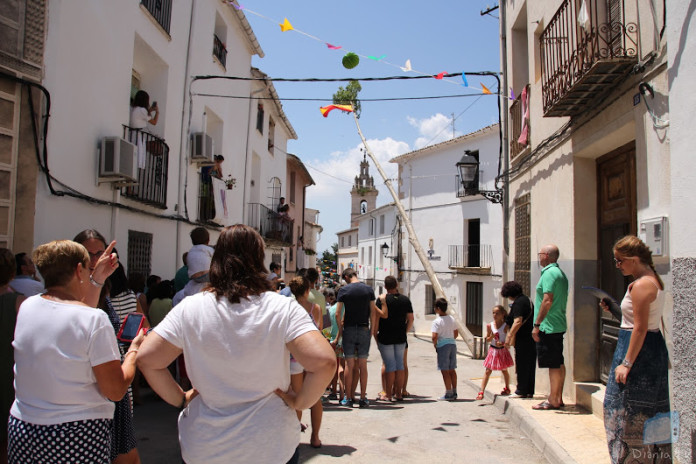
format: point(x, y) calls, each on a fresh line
point(523, 139)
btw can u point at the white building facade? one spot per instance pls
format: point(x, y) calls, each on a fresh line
point(93, 68)
point(378, 235)
point(347, 255)
point(462, 234)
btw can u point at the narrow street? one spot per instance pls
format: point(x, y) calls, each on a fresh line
point(420, 429)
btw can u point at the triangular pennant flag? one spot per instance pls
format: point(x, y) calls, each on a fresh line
point(238, 7)
point(512, 94)
point(485, 90)
point(286, 26)
point(466, 83)
point(325, 110)
point(407, 66)
point(441, 75)
point(380, 58)
point(333, 47)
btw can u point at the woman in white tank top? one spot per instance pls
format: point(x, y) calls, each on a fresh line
point(638, 387)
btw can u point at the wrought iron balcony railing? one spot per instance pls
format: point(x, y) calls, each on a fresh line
point(275, 228)
point(161, 10)
point(153, 165)
point(587, 47)
point(219, 51)
point(470, 256)
point(519, 123)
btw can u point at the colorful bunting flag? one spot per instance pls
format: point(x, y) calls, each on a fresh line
point(485, 90)
point(512, 94)
point(407, 66)
point(377, 58)
point(325, 110)
point(286, 26)
point(333, 47)
point(441, 75)
point(466, 83)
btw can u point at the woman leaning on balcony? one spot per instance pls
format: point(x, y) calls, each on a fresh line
point(142, 114)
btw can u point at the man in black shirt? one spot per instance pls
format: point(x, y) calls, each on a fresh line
point(391, 337)
point(354, 311)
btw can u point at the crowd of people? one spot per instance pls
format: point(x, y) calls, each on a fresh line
point(223, 301)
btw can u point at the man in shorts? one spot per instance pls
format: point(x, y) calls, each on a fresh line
point(355, 309)
point(550, 324)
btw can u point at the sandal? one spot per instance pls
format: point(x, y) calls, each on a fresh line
point(505, 392)
point(545, 406)
point(479, 396)
point(405, 394)
point(382, 396)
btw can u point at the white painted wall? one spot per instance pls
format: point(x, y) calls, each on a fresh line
point(378, 267)
point(92, 49)
point(428, 188)
point(347, 254)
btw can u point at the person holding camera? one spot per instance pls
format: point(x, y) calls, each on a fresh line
point(62, 336)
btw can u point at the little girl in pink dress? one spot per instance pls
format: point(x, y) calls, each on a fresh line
point(498, 358)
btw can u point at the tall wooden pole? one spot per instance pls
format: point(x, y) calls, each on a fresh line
point(467, 336)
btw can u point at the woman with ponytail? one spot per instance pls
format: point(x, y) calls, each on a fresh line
point(638, 387)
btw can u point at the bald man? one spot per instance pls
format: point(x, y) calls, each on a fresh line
point(550, 324)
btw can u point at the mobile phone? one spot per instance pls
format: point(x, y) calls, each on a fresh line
point(130, 327)
point(154, 104)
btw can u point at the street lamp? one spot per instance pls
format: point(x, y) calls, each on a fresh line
point(468, 168)
point(385, 249)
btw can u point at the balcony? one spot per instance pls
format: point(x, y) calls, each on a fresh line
point(161, 11)
point(472, 259)
point(219, 51)
point(519, 124)
point(275, 228)
point(585, 53)
point(153, 155)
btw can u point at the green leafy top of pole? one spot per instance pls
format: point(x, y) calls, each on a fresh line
point(349, 96)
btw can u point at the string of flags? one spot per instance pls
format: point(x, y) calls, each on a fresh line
point(352, 59)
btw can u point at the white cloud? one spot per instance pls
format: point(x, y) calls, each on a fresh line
point(432, 130)
point(334, 178)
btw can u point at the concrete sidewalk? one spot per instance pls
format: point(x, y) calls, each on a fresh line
point(569, 435)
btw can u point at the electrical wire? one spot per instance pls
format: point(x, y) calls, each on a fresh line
point(244, 97)
point(341, 79)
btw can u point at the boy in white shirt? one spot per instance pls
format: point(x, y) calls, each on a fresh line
point(444, 332)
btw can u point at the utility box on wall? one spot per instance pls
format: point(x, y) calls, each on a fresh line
point(654, 233)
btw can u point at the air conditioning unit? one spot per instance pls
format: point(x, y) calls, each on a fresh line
point(201, 147)
point(118, 159)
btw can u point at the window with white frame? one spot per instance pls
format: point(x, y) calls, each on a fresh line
point(429, 299)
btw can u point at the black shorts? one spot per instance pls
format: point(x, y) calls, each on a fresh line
point(550, 350)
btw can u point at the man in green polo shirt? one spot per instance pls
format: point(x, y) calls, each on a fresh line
point(550, 324)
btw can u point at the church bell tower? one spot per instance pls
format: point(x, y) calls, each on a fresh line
point(363, 195)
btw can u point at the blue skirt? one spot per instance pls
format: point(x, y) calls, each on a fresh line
point(644, 395)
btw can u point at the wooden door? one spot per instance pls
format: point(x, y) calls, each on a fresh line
point(616, 183)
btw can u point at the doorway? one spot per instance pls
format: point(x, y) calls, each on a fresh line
point(616, 196)
point(474, 248)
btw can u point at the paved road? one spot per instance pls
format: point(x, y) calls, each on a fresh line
point(417, 430)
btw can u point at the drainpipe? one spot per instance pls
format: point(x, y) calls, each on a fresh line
point(506, 147)
point(374, 249)
point(183, 160)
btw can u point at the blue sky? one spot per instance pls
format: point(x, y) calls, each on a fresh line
point(435, 36)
